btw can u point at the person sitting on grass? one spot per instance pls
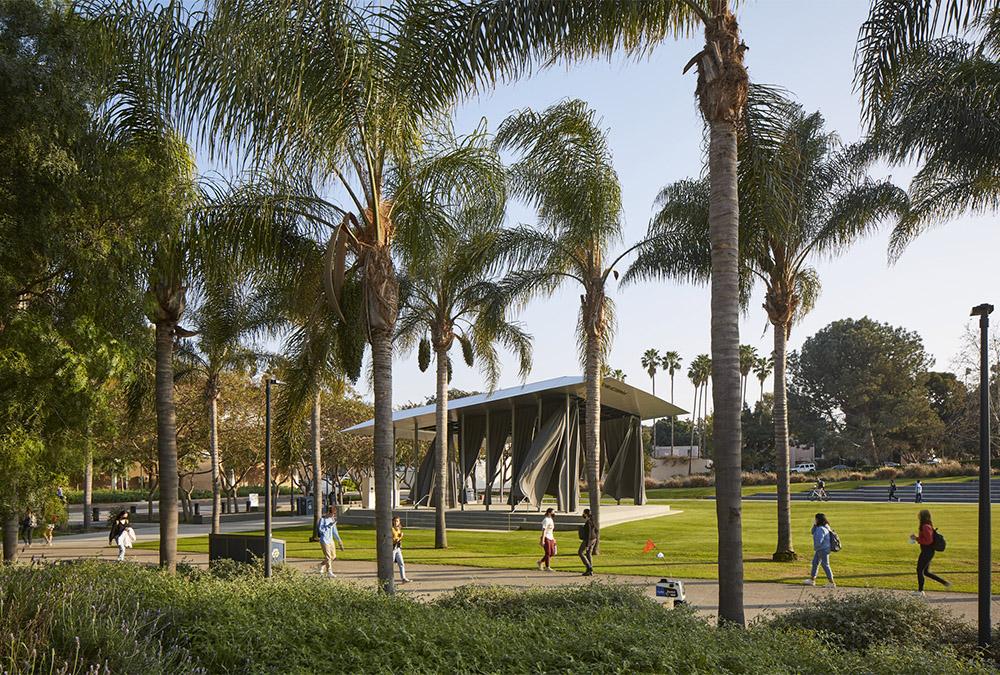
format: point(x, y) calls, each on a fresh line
point(328, 534)
point(821, 551)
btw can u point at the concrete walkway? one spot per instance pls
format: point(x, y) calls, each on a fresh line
point(429, 581)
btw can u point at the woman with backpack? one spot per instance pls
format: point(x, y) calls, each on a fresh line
point(822, 535)
point(930, 541)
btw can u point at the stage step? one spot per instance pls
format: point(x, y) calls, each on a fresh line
point(424, 518)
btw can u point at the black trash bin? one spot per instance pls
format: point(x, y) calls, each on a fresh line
point(243, 548)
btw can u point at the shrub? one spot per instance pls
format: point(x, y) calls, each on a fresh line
point(126, 618)
point(859, 621)
point(887, 473)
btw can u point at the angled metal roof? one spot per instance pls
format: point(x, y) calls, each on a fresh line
point(615, 396)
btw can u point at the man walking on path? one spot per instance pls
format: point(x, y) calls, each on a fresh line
point(328, 534)
point(588, 542)
point(918, 492)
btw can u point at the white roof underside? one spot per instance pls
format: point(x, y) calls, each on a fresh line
point(615, 395)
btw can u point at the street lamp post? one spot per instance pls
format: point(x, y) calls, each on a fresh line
point(985, 545)
point(267, 476)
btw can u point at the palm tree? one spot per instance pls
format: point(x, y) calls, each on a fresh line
point(804, 196)
point(651, 362)
point(671, 362)
point(224, 323)
point(565, 171)
point(762, 369)
point(614, 373)
point(748, 356)
point(931, 100)
point(328, 99)
point(451, 295)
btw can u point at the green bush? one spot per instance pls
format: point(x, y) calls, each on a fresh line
point(127, 618)
point(859, 621)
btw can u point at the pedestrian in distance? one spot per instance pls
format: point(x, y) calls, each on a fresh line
point(397, 549)
point(918, 493)
point(50, 530)
point(328, 534)
point(28, 525)
point(892, 491)
point(547, 541)
point(122, 535)
point(822, 543)
point(930, 542)
point(588, 542)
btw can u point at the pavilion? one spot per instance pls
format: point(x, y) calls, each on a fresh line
point(537, 430)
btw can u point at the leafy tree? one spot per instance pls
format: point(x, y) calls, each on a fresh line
point(864, 379)
point(758, 435)
point(451, 296)
point(564, 169)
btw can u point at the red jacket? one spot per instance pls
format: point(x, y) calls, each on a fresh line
point(926, 536)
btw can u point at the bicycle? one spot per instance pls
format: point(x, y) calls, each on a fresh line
point(818, 495)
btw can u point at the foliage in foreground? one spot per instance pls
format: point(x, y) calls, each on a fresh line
point(129, 618)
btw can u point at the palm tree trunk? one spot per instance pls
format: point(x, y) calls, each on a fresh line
point(441, 451)
point(315, 430)
point(724, 231)
point(592, 375)
point(672, 417)
point(213, 453)
point(381, 342)
point(166, 443)
point(784, 551)
point(88, 482)
point(692, 437)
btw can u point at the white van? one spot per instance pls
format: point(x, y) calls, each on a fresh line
point(804, 467)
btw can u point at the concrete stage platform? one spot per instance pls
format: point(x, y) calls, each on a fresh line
point(500, 518)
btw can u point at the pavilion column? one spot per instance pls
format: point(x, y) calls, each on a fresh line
point(461, 460)
point(488, 494)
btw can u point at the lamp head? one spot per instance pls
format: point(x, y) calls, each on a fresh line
point(984, 309)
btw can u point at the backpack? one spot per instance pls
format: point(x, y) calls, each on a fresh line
point(582, 531)
point(835, 544)
point(939, 543)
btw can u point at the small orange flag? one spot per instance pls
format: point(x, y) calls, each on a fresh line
point(649, 546)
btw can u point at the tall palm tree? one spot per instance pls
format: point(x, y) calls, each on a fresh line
point(671, 362)
point(805, 196)
point(651, 362)
point(332, 99)
point(763, 368)
point(508, 38)
point(452, 295)
point(225, 323)
point(748, 356)
point(930, 98)
point(564, 169)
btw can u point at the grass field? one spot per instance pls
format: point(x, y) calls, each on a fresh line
point(702, 492)
point(876, 551)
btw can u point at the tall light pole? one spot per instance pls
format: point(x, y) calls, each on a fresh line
point(267, 475)
point(985, 545)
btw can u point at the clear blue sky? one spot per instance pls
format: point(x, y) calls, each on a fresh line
point(656, 133)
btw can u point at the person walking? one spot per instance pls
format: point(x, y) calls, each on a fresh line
point(50, 529)
point(925, 538)
point(821, 551)
point(547, 541)
point(892, 490)
point(122, 534)
point(328, 534)
point(397, 549)
point(588, 542)
point(918, 493)
point(28, 525)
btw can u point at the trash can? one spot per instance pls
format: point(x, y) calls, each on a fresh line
point(243, 548)
point(303, 506)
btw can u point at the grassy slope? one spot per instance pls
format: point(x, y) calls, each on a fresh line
point(875, 537)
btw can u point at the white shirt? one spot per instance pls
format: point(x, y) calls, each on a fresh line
point(918, 488)
point(548, 526)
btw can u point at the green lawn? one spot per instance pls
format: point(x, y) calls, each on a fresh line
point(876, 551)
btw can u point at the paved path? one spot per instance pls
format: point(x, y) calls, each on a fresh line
point(429, 581)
